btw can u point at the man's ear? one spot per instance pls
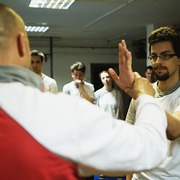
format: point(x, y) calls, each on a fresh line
point(72, 75)
point(21, 44)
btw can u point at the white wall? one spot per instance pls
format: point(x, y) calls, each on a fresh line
point(64, 57)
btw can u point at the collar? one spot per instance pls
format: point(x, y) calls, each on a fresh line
point(169, 91)
point(10, 74)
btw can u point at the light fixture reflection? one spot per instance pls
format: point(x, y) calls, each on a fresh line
point(52, 4)
point(36, 28)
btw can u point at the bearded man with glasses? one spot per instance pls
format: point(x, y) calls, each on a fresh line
point(164, 50)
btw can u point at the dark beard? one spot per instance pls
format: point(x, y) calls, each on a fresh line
point(162, 77)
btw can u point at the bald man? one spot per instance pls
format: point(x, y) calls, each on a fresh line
point(55, 136)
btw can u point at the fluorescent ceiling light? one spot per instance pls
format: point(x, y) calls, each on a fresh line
point(52, 4)
point(36, 28)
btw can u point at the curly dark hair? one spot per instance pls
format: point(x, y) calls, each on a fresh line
point(165, 34)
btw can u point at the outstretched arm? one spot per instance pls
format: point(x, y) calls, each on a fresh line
point(126, 78)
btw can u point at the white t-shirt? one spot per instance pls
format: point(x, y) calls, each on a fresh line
point(170, 168)
point(73, 90)
point(50, 84)
point(109, 101)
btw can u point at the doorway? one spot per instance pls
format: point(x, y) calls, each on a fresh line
point(96, 68)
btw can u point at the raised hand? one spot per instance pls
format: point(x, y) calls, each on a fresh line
point(126, 77)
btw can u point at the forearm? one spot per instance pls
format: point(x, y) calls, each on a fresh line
point(173, 129)
point(149, 131)
point(85, 95)
point(129, 177)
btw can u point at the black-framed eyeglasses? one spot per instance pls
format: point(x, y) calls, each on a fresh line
point(163, 57)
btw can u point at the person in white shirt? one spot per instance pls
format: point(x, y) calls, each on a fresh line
point(79, 87)
point(108, 97)
point(37, 61)
point(164, 48)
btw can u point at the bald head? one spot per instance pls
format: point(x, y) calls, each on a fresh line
point(13, 38)
point(10, 24)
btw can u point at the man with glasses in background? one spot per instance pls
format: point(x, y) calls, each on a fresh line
point(164, 48)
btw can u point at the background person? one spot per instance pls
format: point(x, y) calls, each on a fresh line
point(108, 97)
point(149, 74)
point(37, 61)
point(79, 87)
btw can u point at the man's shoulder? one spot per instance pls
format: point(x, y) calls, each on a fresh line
point(88, 84)
point(45, 77)
point(99, 91)
point(69, 85)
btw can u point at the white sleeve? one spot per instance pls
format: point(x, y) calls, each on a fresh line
point(125, 148)
point(75, 129)
point(65, 89)
point(54, 87)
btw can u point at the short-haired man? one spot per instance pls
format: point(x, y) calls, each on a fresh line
point(149, 74)
point(37, 61)
point(79, 87)
point(164, 48)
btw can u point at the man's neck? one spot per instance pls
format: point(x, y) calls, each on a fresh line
point(40, 74)
point(108, 88)
point(169, 83)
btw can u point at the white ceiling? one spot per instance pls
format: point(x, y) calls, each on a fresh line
point(99, 22)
